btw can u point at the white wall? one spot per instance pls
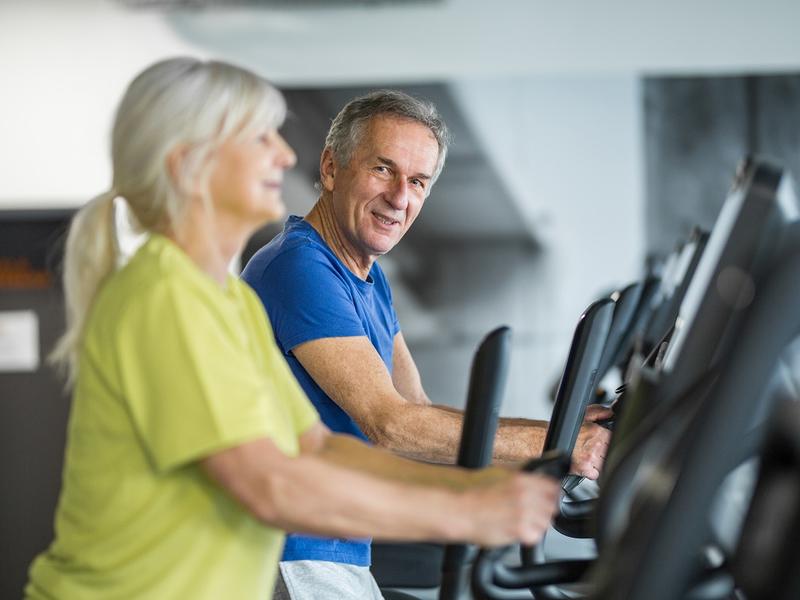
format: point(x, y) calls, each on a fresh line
point(569, 148)
point(64, 66)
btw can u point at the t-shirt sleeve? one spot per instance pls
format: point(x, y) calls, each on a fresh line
point(306, 298)
point(190, 383)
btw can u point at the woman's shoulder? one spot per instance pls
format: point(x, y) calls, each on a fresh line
point(156, 280)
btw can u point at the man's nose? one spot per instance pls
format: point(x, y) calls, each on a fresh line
point(398, 195)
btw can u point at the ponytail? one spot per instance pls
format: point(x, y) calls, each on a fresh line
point(90, 255)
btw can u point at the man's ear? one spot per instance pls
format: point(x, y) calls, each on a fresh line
point(327, 169)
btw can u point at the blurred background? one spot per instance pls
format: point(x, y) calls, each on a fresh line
point(589, 137)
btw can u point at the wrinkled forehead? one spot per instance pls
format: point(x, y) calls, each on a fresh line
point(399, 138)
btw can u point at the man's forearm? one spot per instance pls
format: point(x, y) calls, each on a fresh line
point(519, 439)
point(433, 433)
point(421, 432)
point(526, 422)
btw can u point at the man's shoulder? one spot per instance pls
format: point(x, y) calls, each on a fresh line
point(377, 273)
point(292, 248)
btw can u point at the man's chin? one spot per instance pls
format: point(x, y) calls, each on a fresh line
point(380, 243)
point(384, 248)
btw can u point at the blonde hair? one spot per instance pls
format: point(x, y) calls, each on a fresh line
point(177, 102)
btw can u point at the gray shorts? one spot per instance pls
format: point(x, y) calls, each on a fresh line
point(323, 580)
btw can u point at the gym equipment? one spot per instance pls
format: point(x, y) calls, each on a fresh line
point(673, 290)
point(766, 565)
point(485, 394)
point(681, 428)
point(626, 302)
point(577, 387)
point(757, 294)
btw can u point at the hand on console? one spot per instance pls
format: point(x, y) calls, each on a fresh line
point(592, 443)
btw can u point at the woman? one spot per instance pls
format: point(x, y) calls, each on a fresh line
point(191, 448)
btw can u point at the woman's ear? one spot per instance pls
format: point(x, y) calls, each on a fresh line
point(327, 169)
point(177, 167)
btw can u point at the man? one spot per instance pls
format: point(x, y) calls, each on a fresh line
point(331, 310)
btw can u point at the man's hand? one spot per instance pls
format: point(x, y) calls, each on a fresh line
point(592, 443)
point(518, 507)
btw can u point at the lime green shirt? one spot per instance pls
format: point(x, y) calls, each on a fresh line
point(172, 369)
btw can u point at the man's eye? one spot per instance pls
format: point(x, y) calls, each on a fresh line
point(381, 169)
point(419, 183)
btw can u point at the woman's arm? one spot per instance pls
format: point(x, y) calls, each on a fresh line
point(344, 488)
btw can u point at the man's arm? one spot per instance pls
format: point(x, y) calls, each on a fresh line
point(341, 487)
point(512, 435)
point(350, 371)
point(590, 446)
point(405, 375)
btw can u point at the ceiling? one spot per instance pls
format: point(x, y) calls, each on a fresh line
point(356, 42)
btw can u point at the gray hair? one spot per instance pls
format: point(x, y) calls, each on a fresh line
point(349, 125)
point(199, 104)
point(176, 102)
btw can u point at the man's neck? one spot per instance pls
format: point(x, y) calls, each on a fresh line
point(321, 218)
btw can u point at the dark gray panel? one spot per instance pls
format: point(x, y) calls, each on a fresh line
point(696, 131)
point(33, 417)
point(777, 104)
point(33, 405)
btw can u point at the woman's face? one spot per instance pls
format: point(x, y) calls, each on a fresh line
point(247, 177)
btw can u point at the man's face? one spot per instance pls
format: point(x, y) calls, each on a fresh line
point(378, 195)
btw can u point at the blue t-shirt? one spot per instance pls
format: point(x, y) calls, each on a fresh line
point(309, 294)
